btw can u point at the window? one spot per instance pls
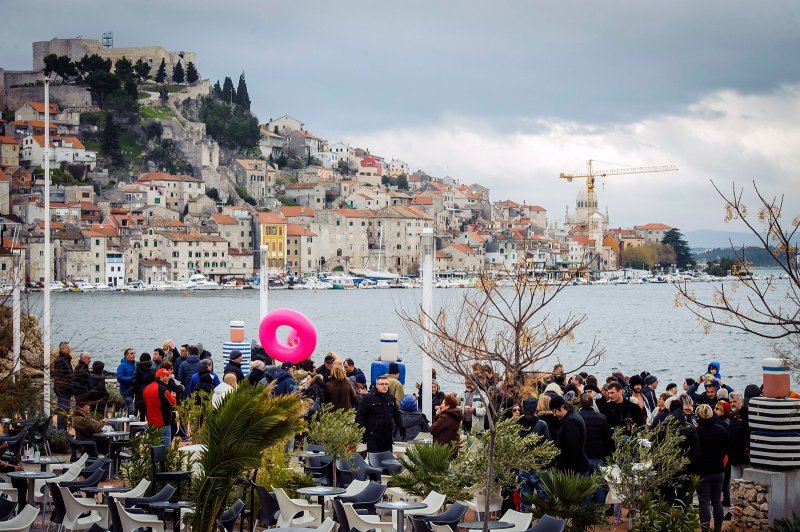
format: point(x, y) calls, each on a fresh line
point(97, 267)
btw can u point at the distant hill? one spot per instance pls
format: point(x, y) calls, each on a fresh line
point(708, 238)
point(758, 256)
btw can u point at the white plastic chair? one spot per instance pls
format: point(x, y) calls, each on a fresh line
point(434, 500)
point(98, 513)
point(520, 520)
point(57, 468)
point(137, 491)
point(22, 522)
point(67, 476)
point(137, 521)
point(365, 522)
point(355, 487)
point(327, 525)
point(9, 490)
point(289, 508)
point(440, 528)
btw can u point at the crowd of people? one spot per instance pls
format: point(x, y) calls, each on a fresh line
point(579, 412)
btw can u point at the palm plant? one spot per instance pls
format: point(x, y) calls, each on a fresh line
point(565, 497)
point(426, 468)
point(246, 422)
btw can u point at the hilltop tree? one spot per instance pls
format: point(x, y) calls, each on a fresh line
point(102, 83)
point(177, 73)
point(142, 69)
point(228, 92)
point(242, 98)
point(191, 73)
point(109, 142)
point(161, 75)
point(647, 256)
point(216, 91)
point(231, 126)
point(60, 65)
point(93, 63)
point(683, 256)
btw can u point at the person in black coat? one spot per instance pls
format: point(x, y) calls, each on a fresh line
point(234, 365)
point(144, 375)
point(378, 414)
point(690, 445)
point(80, 378)
point(98, 394)
point(598, 443)
point(714, 444)
point(619, 411)
point(256, 372)
point(62, 381)
point(571, 438)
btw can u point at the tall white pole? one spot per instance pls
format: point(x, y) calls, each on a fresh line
point(47, 271)
point(264, 285)
point(427, 308)
point(16, 309)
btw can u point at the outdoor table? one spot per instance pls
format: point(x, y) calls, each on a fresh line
point(116, 421)
point(32, 477)
point(112, 434)
point(105, 490)
point(321, 492)
point(290, 529)
point(400, 507)
point(493, 525)
point(44, 461)
point(175, 508)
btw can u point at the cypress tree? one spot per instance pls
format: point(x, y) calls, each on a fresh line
point(177, 73)
point(110, 140)
point(683, 254)
point(228, 93)
point(217, 90)
point(191, 73)
point(242, 98)
point(161, 75)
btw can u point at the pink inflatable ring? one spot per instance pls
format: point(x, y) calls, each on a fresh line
point(302, 338)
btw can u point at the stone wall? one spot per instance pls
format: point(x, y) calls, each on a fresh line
point(76, 48)
point(750, 505)
point(63, 95)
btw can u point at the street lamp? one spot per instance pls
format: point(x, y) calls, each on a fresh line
point(427, 309)
point(47, 280)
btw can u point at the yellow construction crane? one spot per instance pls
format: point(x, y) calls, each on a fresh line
point(592, 173)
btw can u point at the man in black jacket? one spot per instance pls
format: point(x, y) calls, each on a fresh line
point(739, 450)
point(571, 438)
point(621, 412)
point(598, 440)
point(62, 381)
point(379, 415)
point(234, 365)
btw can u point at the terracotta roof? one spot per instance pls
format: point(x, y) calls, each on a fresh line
point(476, 236)
point(153, 262)
point(106, 229)
point(536, 208)
point(422, 200)
point(84, 205)
point(270, 218)
point(656, 226)
point(240, 251)
point(180, 236)
point(301, 186)
point(583, 240)
point(355, 213)
point(39, 139)
point(298, 230)
point(292, 212)
point(401, 211)
point(224, 219)
point(250, 164)
point(39, 107)
point(463, 248)
point(8, 140)
point(3, 176)
point(9, 244)
point(165, 222)
point(163, 176)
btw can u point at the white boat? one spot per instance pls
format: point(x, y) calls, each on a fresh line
point(232, 285)
point(342, 282)
point(198, 281)
point(368, 284)
point(6, 289)
point(57, 286)
point(103, 287)
point(135, 286)
point(166, 286)
point(381, 283)
point(83, 286)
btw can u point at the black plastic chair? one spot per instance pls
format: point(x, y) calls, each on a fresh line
point(40, 436)
point(229, 516)
point(7, 508)
point(339, 515)
point(377, 459)
point(113, 514)
point(268, 506)
point(94, 465)
point(16, 444)
point(158, 455)
point(344, 473)
point(78, 447)
point(313, 448)
point(90, 482)
point(420, 526)
point(362, 470)
point(366, 500)
point(116, 455)
point(451, 517)
point(162, 496)
point(321, 468)
point(59, 510)
point(548, 524)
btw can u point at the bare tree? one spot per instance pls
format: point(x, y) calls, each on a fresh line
point(770, 308)
point(505, 323)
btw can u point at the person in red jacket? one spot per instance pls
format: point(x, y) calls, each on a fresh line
point(159, 401)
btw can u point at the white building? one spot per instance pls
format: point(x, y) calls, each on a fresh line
point(63, 149)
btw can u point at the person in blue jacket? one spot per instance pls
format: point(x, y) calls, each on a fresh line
point(125, 377)
point(206, 367)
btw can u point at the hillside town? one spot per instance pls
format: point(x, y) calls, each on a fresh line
point(340, 208)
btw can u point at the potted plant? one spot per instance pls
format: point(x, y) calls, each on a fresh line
point(337, 431)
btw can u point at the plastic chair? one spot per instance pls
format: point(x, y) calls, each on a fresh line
point(434, 500)
point(93, 480)
point(363, 470)
point(130, 521)
point(268, 507)
point(420, 526)
point(310, 447)
point(355, 487)
point(158, 454)
point(326, 526)
point(22, 522)
point(16, 444)
point(321, 468)
point(79, 447)
point(137, 491)
point(366, 499)
point(75, 517)
point(67, 476)
point(97, 464)
point(450, 517)
point(58, 468)
point(8, 491)
point(363, 523)
point(340, 516)
point(162, 496)
point(7, 508)
point(520, 520)
point(229, 516)
point(290, 508)
point(376, 459)
point(344, 473)
point(441, 528)
point(38, 434)
point(548, 524)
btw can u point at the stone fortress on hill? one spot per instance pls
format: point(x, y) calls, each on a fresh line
point(16, 85)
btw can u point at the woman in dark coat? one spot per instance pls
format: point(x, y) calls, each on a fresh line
point(714, 443)
point(338, 390)
point(414, 421)
point(445, 429)
point(97, 394)
point(142, 377)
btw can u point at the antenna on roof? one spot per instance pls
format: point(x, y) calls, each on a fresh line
point(108, 40)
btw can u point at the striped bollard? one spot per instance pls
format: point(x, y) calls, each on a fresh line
point(237, 342)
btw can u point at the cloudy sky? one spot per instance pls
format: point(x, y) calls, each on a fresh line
point(508, 93)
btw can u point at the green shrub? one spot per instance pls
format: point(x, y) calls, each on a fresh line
point(57, 439)
point(658, 515)
point(426, 468)
point(786, 524)
point(565, 497)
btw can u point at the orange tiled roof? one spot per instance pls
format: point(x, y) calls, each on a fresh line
point(463, 248)
point(8, 140)
point(163, 176)
point(270, 218)
point(39, 107)
point(298, 230)
point(422, 200)
point(224, 219)
point(656, 226)
point(294, 211)
point(355, 213)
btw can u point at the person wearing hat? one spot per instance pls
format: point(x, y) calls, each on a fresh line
point(234, 366)
point(571, 438)
point(284, 381)
point(413, 420)
point(86, 426)
point(159, 402)
point(637, 385)
point(395, 386)
point(256, 372)
point(672, 389)
point(145, 374)
point(649, 392)
point(325, 369)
